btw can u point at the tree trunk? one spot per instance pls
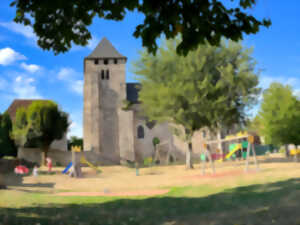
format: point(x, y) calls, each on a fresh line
point(287, 153)
point(189, 163)
point(45, 155)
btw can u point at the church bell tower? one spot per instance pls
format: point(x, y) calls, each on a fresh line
point(104, 91)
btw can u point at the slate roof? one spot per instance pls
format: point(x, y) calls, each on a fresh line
point(17, 103)
point(105, 50)
point(132, 90)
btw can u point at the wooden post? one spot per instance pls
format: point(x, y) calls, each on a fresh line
point(254, 155)
point(210, 160)
point(248, 154)
point(203, 161)
point(203, 164)
point(168, 155)
point(76, 156)
point(249, 148)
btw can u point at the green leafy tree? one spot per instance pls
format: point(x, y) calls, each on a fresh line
point(75, 141)
point(279, 115)
point(7, 145)
point(210, 87)
point(59, 23)
point(41, 124)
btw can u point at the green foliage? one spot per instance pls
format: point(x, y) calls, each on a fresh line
point(148, 161)
point(40, 124)
point(279, 115)
point(211, 86)
point(155, 141)
point(7, 145)
point(59, 23)
point(126, 104)
point(75, 141)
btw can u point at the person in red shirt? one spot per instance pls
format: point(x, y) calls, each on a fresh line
point(49, 164)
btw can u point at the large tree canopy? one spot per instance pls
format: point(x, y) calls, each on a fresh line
point(279, 115)
point(210, 87)
point(7, 145)
point(58, 23)
point(41, 124)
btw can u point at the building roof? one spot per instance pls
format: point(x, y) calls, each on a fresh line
point(105, 50)
point(17, 103)
point(132, 90)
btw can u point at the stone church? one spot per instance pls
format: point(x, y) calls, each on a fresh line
point(114, 132)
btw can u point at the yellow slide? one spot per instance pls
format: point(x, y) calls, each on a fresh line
point(295, 151)
point(237, 148)
point(83, 160)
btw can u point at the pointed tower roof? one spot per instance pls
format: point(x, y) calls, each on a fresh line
point(105, 50)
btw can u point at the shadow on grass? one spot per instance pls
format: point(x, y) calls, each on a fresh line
point(274, 203)
point(13, 180)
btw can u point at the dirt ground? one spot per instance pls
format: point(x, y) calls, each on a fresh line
point(123, 179)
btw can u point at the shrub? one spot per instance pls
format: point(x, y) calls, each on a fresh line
point(148, 161)
point(282, 150)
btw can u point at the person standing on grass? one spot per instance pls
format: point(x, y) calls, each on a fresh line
point(35, 171)
point(49, 164)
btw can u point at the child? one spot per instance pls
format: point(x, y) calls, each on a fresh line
point(49, 164)
point(35, 170)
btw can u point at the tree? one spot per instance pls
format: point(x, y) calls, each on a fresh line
point(279, 115)
point(41, 124)
point(58, 24)
point(210, 87)
point(7, 145)
point(75, 141)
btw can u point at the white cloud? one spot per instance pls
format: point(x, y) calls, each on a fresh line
point(75, 128)
point(26, 31)
point(66, 74)
point(24, 87)
point(92, 44)
point(9, 56)
point(31, 68)
point(266, 80)
point(77, 86)
point(71, 76)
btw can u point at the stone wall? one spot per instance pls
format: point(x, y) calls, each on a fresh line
point(126, 138)
point(64, 158)
point(61, 144)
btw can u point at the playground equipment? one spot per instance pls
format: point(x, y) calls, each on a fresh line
point(237, 147)
point(77, 160)
point(294, 151)
point(206, 153)
point(67, 168)
point(83, 160)
point(250, 147)
point(160, 152)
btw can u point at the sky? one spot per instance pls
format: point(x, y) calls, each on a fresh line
point(28, 72)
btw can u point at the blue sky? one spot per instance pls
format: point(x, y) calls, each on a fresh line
point(26, 71)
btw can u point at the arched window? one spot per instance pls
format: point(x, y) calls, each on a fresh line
point(102, 75)
point(107, 74)
point(204, 134)
point(140, 132)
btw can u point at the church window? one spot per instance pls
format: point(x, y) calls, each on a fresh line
point(204, 134)
point(105, 61)
point(115, 61)
point(140, 132)
point(96, 61)
point(107, 74)
point(102, 75)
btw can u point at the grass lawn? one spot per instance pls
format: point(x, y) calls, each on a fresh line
point(270, 196)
